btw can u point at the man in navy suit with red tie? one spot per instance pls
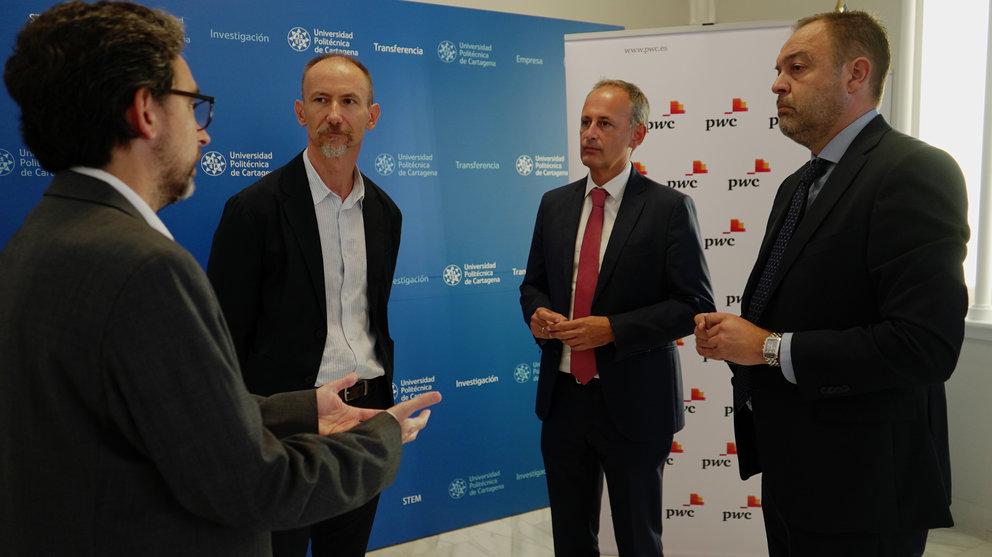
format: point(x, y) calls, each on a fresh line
point(614, 277)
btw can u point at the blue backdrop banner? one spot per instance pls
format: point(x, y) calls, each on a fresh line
point(472, 134)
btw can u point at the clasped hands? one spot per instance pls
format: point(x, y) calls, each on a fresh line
point(583, 333)
point(725, 336)
point(334, 416)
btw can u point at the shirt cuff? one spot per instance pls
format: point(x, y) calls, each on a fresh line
point(785, 358)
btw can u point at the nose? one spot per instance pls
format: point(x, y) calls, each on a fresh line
point(780, 86)
point(203, 138)
point(334, 113)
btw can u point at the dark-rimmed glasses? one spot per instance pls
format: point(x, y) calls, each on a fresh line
point(203, 108)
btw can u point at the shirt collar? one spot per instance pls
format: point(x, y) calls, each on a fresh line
point(615, 186)
point(839, 144)
point(320, 191)
point(129, 194)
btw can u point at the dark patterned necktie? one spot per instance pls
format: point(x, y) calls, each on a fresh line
point(815, 169)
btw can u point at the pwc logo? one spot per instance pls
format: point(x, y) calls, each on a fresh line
point(745, 512)
point(735, 226)
point(695, 500)
point(676, 449)
point(641, 168)
point(675, 108)
point(722, 461)
point(695, 396)
point(760, 165)
point(698, 167)
point(737, 105)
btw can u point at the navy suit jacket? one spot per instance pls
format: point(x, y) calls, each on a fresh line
point(652, 281)
point(267, 269)
point(872, 286)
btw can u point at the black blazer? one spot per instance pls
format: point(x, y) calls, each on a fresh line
point(267, 270)
point(872, 286)
point(652, 281)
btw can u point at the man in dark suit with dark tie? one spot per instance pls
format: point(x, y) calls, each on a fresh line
point(614, 277)
point(854, 313)
point(125, 428)
point(302, 262)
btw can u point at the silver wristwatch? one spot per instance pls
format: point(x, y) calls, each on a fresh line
point(770, 349)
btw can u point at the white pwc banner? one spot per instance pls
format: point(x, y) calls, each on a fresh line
point(713, 134)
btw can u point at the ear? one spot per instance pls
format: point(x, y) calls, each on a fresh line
point(640, 131)
point(143, 114)
point(300, 115)
point(860, 70)
point(373, 116)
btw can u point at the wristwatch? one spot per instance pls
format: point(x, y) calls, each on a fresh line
point(770, 349)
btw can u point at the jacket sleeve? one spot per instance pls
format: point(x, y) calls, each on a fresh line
point(174, 391)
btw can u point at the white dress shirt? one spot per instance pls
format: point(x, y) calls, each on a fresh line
point(350, 344)
point(615, 188)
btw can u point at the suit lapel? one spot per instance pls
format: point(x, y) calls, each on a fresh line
point(837, 185)
point(302, 221)
point(565, 228)
point(375, 241)
point(630, 210)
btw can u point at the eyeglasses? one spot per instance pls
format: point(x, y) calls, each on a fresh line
point(203, 108)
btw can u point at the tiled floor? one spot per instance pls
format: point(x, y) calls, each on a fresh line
point(529, 535)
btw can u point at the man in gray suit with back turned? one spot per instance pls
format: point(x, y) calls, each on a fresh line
point(125, 428)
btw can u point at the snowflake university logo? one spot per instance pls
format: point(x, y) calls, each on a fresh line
point(452, 275)
point(396, 391)
point(6, 162)
point(525, 165)
point(457, 488)
point(522, 373)
point(446, 51)
point(213, 163)
point(384, 164)
point(298, 39)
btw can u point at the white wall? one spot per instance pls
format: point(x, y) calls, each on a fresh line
point(970, 389)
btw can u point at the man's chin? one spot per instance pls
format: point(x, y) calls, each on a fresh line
point(188, 191)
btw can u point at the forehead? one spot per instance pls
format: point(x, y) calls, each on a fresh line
point(811, 40)
point(336, 73)
point(182, 76)
point(611, 102)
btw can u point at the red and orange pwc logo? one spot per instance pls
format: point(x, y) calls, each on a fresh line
point(731, 449)
point(676, 447)
point(761, 165)
point(698, 168)
point(736, 226)
point(694, 499)
point(737, 105)
point(675, 107)
point(640, 168)
point(752, 501)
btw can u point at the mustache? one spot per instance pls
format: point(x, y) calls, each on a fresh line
point(334, 128)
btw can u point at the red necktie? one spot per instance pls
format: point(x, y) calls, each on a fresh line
point(583, 365)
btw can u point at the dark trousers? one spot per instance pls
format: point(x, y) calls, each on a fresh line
point(580, 444)
point(346, 535)
point(787, 541)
